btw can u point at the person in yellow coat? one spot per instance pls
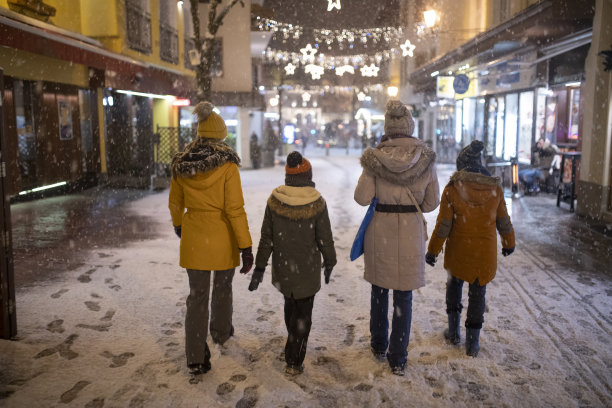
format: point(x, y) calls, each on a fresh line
point(207, 210)
point(471, 210)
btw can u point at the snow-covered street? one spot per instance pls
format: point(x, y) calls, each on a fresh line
point(110, 333)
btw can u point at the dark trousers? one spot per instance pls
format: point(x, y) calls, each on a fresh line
point(196, 318)
point(400, 329)
point(298, 319)
point(476, 301)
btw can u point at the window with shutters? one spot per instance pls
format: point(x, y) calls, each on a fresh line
point(138, 25)
point(168, 33)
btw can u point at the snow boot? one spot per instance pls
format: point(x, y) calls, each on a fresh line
point(471, 342)
point(452, 333)
point(203, 368)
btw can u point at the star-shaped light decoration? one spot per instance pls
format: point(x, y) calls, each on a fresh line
point(344, 69)
point(369, 70)
point(306, 97)
point(333, 3)
point(361, 96)
point(314, 70)
point(290, 69)
point(407, 49)
point(308, 53)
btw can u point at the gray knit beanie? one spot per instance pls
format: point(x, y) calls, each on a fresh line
point(470, 156)
point(398, 120)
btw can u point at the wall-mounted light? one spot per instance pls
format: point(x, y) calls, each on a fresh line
point(392, 91)
point(61, 183)
point(181, 102)
point(179, 3)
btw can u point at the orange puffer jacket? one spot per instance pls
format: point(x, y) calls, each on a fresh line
point(471, 209)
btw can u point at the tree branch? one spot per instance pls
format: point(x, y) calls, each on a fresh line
point(221, 16)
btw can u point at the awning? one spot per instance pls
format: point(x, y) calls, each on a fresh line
point(30, 35)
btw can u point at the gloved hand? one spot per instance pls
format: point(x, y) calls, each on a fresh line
point(256, 279)
point(177, 230)
point(507, 251)
point(430, 259)
point(327, 274)
point(247, 260)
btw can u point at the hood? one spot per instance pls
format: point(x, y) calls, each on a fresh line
point(296, 203)
point(474, 188)
point(202, 155)
point(399, 160)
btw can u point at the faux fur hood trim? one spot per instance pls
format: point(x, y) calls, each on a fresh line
point(202, 155)
point(400, 160)
point(292, 195)
point(475, 178)
point(299, 212)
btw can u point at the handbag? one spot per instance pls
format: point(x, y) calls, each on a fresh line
point(420, 212)
point(357, 248)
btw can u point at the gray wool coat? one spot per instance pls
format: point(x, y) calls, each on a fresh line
point(394, 248)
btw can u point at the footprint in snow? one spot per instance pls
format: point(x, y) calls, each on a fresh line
point(72, 393)
point(63, 349)
point(59, 293)
point(56, 326)
point(117, 360)
point(93, 306)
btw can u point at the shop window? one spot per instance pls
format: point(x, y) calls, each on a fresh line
point(469, 118)
point(525, 127)
point(87, 140)
point(550, 124)
point(26, 136)
point(574, 114)
point(479, 120)
point(491, 126)
point(511, 129)
point(459, 125)
point(138, 20)
point(499, 127)
point(540, 113)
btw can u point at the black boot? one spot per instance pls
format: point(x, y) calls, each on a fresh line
point(471, 342)
point(203, 368)
point(452, 333)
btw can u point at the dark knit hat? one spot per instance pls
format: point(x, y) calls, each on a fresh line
point(298, 172)
point(470, 158)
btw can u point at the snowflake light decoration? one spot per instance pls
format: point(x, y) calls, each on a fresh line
point(344, 69)
point(308, 52)
point(407, 49)
point(290, 69)
point(369, 70)
point(315, 71)
point(306, 97)
point(333, 3)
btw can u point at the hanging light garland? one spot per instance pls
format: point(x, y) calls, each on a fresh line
point(326, 61)
point(343, 37)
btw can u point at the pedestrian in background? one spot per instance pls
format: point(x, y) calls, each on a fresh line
point(401, 173)
point(213, 232)
point(296, 231)
point(471, 210)
point(543, 155)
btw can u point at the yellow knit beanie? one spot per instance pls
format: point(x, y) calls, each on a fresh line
point(210, 124)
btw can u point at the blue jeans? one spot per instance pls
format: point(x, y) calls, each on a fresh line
point(476, 302)
point(530, 177)
point(400, 330)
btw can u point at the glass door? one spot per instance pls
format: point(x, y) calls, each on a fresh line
point(525, 139)
point(511, 127)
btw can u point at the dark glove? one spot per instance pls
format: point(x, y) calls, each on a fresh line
point(327, 273)
point(256, 279)
point(247, 260)
point(430, 259)
point(177, 230)
point(507, 251)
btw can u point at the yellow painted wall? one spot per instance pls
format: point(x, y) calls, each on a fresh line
point(164, 114)
point(29, 66)
point(99, 18)
point(67, 14)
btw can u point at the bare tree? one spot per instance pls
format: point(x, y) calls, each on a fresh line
point(205, 45)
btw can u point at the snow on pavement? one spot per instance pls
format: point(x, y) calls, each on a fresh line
point(110, 334)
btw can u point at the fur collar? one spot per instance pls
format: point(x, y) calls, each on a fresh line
point(475, 178)
point(202, 155)
point(399, 160)
point(296, 212)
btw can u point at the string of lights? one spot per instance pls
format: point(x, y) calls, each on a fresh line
point(328, 61)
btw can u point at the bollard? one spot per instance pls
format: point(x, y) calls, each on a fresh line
point(327, 149)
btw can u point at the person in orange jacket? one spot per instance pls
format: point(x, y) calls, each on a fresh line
point(471, 209)
point(213, 231)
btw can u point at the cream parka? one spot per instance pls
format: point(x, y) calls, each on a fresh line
point(394, 249)
point(206, 183)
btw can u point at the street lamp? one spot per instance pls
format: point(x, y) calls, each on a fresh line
point(431, 18)
point(392, 91)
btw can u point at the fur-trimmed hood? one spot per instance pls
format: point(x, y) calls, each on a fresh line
point(202, 155)
point(296, 203)
point(399, 160)
point(475, 188)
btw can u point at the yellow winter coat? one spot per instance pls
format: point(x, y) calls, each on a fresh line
point(471, 209)
point(206, 183)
